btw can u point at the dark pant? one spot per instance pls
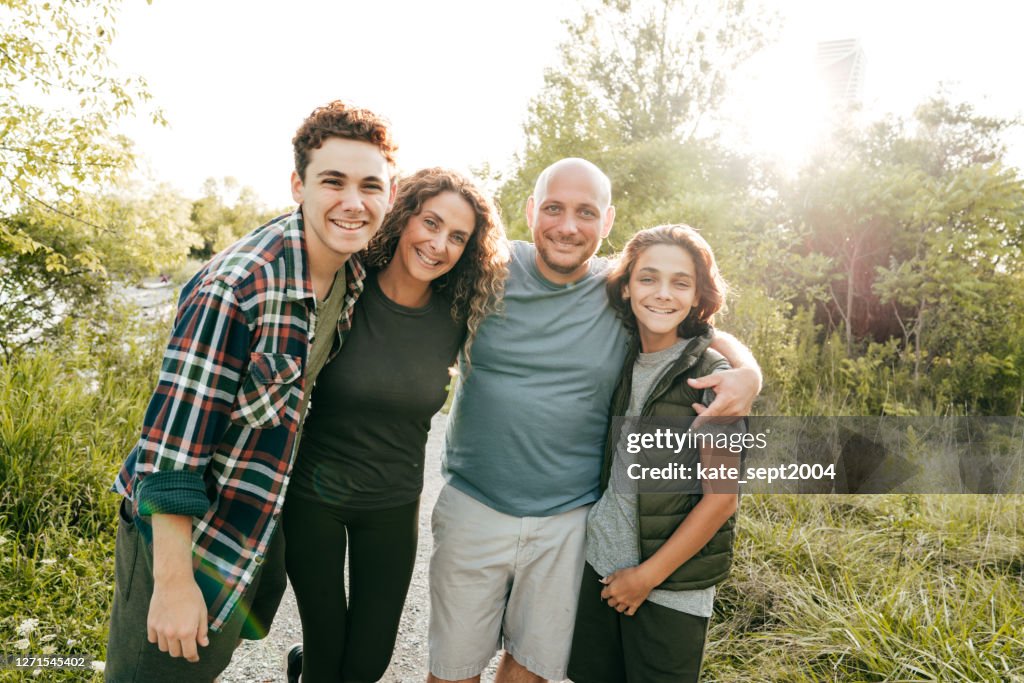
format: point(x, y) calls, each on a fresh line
point(130, 655)
point(349, 639)
point(655, 645)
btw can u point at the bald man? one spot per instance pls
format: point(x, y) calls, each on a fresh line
point(525, 440)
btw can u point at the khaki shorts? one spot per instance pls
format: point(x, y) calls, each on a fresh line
point(502, 581)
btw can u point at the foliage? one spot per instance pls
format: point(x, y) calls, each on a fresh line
point(917, 230)
point(635, 80)
point(140, 235)
point(220, 222)
point(60, 98)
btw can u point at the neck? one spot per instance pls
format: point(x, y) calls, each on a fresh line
point(651, 342)
point(322, 269)
point(401, 288)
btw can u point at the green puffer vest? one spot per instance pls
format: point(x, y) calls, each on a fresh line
point(661, 513)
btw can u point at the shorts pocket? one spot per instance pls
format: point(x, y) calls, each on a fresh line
point(126, 551)
point(271, 387)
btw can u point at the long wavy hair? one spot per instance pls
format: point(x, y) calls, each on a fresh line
point(711, 288)
point(475, 285)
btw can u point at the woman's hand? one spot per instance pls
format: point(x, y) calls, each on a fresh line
point(626, 589)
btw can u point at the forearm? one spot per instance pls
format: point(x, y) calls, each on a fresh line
point(172, 549)
point(700, 525)
point(738, 355)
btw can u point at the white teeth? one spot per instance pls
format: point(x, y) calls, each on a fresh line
point(425, 260)
point(348, 225)
point(660, 310)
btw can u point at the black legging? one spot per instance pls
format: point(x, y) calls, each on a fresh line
point(353, 641)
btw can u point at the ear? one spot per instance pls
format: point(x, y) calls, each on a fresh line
point(393, 193)
point(529, 212)
point(296, 187)
point(625, 291)
point(609, 219)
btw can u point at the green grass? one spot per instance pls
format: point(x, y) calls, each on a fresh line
point(883, 588)
point(68, 415)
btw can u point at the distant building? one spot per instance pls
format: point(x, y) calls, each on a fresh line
point(841, 67)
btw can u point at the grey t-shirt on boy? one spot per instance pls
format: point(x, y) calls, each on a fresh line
point(526, 431)
point(612, 522)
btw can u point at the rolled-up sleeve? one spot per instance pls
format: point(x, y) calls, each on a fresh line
point(189, 413)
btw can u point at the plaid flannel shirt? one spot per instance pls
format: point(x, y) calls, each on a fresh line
point(218, 440)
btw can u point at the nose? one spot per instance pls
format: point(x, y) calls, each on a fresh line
point(437, 242)
point(568, 225)
point(663, 290)
point(351, 199)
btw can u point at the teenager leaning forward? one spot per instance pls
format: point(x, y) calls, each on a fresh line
point(199, 562)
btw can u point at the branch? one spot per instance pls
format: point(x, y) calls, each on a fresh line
point(55, 210)
point(55, 160)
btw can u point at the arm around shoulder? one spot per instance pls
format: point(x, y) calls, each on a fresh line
point(736, 389)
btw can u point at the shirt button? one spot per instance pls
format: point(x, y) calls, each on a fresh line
point(258, 560)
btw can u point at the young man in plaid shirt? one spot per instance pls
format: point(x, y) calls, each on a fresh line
point(199, 562)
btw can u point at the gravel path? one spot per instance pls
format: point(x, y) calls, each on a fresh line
point(263, 661)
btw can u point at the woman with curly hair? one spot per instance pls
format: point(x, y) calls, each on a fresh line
point(436, 268)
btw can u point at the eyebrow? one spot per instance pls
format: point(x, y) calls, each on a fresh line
point(338, 174)
point(434, 214)
point(649, 269)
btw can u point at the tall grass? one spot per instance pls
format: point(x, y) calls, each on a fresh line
point(69, 413)
point(873, 588)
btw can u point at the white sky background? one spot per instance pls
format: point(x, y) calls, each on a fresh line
point(455, 76)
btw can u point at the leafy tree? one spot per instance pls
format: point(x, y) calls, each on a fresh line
point(60, 98)
point(920, 229)
point(635, 79)
point(224, 214)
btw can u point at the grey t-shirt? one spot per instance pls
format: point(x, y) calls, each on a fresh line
point(527, 428)
point(612, 522)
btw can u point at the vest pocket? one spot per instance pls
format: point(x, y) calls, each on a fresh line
point(270, 388)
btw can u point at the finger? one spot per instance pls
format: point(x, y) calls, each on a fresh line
point(606, 593)
point(151, 635)
point(203, 638)
point(620, 608)
point(162, 642)
point(188, 649)
point(174, 647)
point(705, 381)
point(605, 580)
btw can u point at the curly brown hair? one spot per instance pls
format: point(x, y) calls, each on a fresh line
point(340, 120)
point(711, 288)
point(476, 284)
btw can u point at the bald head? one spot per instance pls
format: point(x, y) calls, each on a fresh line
point(569, 213)
point(574, 165)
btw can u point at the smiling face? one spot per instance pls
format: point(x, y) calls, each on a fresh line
point(569, 217)
point(434, 239)
point(345, 193)
point(662, 289)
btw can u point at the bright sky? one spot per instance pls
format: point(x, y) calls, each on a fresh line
point(455, 76)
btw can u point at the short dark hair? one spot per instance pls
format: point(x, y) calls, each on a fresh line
point(340, 120)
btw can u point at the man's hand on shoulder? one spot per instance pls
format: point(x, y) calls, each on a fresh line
point(735, 391)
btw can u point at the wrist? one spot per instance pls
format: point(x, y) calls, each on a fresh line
point(650, 573)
